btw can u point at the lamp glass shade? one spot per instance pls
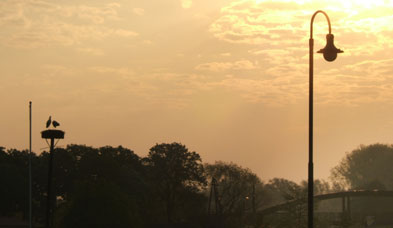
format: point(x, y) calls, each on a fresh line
point(330, 51)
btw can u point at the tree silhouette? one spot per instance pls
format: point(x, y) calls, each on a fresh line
point(99, 204)
point(240, 192)
point(175, 172)
point(14, 182)
point(367, 167)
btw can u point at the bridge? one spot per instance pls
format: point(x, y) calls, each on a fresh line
point(344, 196)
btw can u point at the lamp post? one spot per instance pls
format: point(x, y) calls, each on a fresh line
point(330, 54)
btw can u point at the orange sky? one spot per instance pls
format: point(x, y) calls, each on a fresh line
point(229, 79)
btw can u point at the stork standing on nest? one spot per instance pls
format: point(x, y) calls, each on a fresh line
point(49, 121)
point(55, 123)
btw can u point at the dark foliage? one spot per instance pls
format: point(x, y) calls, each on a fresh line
point(366, 168)
point(114, 187)
point(175, 176)
point(107, 186)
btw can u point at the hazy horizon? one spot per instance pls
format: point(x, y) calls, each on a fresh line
point(226, 78)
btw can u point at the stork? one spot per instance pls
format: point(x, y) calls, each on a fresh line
point(55, 123)
point(49, 121)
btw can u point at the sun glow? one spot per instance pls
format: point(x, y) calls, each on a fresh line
point(364, 3)
point(348, 4)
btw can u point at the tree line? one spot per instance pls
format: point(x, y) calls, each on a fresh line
point(170, 187)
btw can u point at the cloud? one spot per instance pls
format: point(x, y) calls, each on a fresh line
point(186, 4)
point(164, 88)
point(59, 33)
point(122, 71)
point(138, 11)
point(264, 23)
point(96, 15)
point(123, 33)
point(286, 23)
point(274, 92)
point(33, 24)
point(256, 49)
point(226, 54)
point(223, 66)
point(91, 51)
point(276, 33)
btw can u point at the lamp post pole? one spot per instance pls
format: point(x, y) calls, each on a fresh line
point(310, 137)
point(330, 54)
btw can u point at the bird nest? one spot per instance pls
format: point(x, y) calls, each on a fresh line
point(52, 134)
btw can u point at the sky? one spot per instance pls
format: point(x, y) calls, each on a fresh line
point(226, 78)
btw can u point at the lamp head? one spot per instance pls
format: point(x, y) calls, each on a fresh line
point(330, 51)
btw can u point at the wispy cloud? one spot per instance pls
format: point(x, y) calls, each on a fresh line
point(32, 23)
point(91, 51)
point(224, 66)
point(138, 11)
point(123, 71)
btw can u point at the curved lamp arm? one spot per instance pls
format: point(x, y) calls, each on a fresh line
point(312, 22)
point(330, 51)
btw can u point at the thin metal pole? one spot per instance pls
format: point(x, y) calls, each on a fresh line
point(30, 174)
point(349, 207)
point(253, 198)
point(254, 210)
point(310, 138)
point(49, 194)
point(210, 199)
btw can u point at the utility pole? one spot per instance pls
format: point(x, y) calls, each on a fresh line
point(51, 134)
point(30, 174)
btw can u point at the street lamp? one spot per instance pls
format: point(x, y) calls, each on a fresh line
point(330, 54)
